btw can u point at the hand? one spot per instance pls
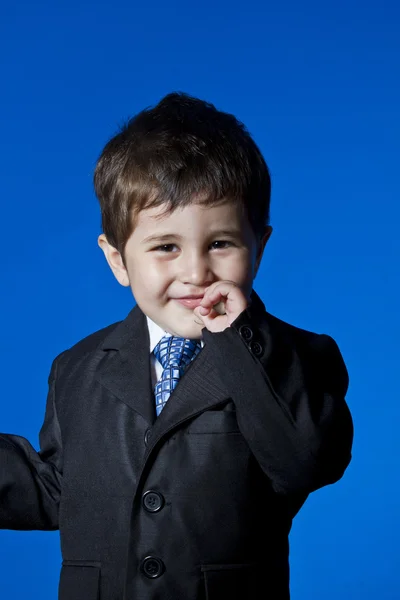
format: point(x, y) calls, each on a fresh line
point(227, 293)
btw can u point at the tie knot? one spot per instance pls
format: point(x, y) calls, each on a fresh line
point(176, 351)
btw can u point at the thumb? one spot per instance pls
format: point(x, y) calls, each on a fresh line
point(196, 311)
point(201, 312)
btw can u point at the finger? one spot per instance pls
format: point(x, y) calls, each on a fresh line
point(212, 298)
point(221, 290)
point(213, 314)
point(205, 314)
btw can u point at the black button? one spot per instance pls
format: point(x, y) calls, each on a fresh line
point(246, 333)
point(147, 436)
point(153, 501)
point(152, 567)
point(256, 348)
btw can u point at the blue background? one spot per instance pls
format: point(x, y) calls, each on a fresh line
point(317, 84)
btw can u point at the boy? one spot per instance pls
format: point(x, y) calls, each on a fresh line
point(179, 444)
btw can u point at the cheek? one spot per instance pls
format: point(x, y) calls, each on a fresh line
point(152, 276)
point(240, 269)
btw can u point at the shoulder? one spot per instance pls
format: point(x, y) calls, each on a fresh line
point(299, 336)
point(276, 327)
point(319, 350)
point(84, 347)
point(288, 328)
point(283, 335)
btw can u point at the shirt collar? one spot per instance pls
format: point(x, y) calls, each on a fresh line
point(156, 333)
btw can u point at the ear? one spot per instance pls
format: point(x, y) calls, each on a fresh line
point(114, 259)
point(262, 243)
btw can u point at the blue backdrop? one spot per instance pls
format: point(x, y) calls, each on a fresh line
point(317, 84)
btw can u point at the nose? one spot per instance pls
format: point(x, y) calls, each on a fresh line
point(196, 270)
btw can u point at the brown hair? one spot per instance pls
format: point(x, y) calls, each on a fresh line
point(179, 150)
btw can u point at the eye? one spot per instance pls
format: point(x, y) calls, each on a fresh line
point(223, 242)
point(164, 247)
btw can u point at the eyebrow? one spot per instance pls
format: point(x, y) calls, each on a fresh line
point(233, 233)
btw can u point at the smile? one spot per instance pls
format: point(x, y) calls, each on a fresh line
point(189, 302)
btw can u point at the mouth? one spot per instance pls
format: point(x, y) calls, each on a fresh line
point(190, 301)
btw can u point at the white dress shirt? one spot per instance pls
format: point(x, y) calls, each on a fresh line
point(155, 334)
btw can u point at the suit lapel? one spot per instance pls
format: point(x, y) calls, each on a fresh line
point(125, 372)
point(199, 389)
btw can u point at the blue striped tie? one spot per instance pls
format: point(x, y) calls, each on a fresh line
point(174, 354)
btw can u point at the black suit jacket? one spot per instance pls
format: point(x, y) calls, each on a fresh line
point(198, 503)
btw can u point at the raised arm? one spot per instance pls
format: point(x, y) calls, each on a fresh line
point(289, 389)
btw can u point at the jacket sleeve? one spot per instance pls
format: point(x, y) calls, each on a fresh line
point(30, 481)
point(289, 392)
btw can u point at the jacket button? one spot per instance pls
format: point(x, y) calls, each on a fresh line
point(256, 348)
point(152, 567)
point(147, 436)
point(153, 501)
point(246, 333)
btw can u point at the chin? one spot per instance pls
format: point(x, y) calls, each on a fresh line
point(192, 332)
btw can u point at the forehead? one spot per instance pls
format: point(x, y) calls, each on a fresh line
point(225, 213)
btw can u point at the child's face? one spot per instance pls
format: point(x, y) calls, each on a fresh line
point(199, 246)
